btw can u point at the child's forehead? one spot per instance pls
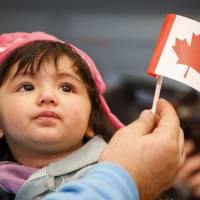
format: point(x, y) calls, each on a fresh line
point(62, 67)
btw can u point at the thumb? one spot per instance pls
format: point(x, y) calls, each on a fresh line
point(144, 124)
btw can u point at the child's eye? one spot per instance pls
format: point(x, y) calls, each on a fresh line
point(66, 87)
point(26, 87)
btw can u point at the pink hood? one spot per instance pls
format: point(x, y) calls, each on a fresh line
point(10, 41)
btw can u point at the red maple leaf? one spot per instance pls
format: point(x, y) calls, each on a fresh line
point(188, 54)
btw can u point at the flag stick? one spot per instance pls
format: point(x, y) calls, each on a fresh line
point(157, 92)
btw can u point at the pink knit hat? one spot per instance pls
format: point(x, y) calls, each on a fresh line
point(10, 41)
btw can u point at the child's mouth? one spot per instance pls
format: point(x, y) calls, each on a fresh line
point(47, 114)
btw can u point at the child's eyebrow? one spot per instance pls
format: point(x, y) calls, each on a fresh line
point(68, 75)
point(56, 76)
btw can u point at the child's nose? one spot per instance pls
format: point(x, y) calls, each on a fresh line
point(47, 99)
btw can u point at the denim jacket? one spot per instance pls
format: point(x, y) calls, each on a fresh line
point(72, 167)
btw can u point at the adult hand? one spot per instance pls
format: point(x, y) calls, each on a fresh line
point(150, 149)
point(190, 173)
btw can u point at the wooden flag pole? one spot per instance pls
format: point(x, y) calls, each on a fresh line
point(157, 92)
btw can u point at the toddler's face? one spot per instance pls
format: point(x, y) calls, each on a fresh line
point(46, 113)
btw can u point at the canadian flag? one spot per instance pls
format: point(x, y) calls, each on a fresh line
point(177, 52)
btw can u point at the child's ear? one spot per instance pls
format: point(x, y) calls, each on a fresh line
point(89, 133)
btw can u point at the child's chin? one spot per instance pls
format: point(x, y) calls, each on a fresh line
point(48, 137)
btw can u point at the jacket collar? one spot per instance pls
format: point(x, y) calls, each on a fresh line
point(86, 155)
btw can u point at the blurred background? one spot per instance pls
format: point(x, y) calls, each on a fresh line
point(120, 37)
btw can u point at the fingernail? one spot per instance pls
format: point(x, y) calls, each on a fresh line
point(145, 113)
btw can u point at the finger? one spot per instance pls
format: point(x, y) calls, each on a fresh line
point(191, 165)
point(194, 181)
point(189, 147)
point(169, 122)
point(181, 143)
point(144, 124)
point(157, 120)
